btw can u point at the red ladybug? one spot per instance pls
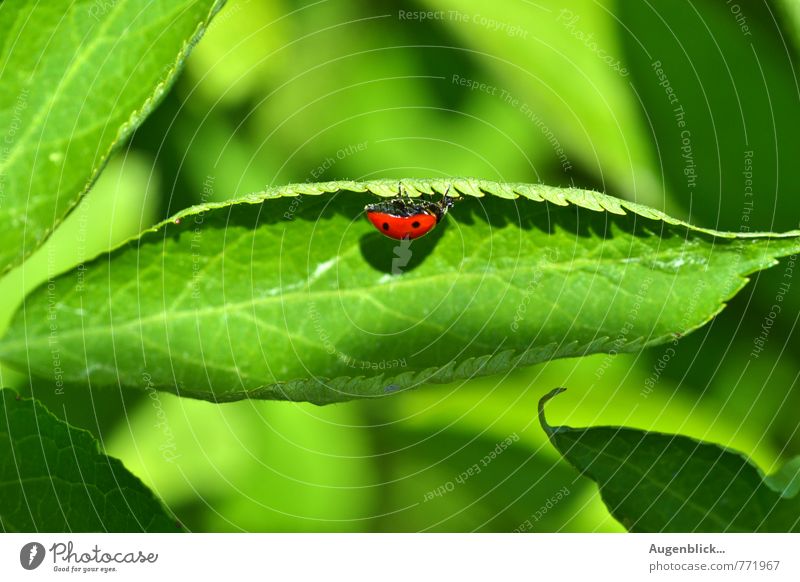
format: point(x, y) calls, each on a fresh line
point(404, 218)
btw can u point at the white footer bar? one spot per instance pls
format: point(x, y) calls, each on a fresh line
point(406, 557)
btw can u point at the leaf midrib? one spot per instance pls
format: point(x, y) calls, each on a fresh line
point(295, 295)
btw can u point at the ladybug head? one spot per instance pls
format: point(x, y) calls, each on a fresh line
point(447, 202)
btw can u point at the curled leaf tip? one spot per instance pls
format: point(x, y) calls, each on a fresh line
point(542, 401)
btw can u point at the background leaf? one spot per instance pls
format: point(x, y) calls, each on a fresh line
point(655, 482)
point(719, 92)
point(76, 82)
point(334, 323)
point(564, 70)
point(787, 480)
point(791, 16)
point(53, 478)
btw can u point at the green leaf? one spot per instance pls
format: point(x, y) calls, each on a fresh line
point(54, 478)
point(77, 81)
point(791, 18)
point(657, 482)
point(287, 294)
point(787, 480)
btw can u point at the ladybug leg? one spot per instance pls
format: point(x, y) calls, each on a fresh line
point(446, 202)
point(404, 201)
point(401, 193)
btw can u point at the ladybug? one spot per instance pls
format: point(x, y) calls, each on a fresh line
point(404, 218)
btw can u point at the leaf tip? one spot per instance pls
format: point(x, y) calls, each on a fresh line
point(542, 401)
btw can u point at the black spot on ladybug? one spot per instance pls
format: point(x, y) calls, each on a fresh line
point(385, 226)
point(415, 224)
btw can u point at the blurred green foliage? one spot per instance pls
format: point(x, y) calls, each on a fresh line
point(281, 92)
